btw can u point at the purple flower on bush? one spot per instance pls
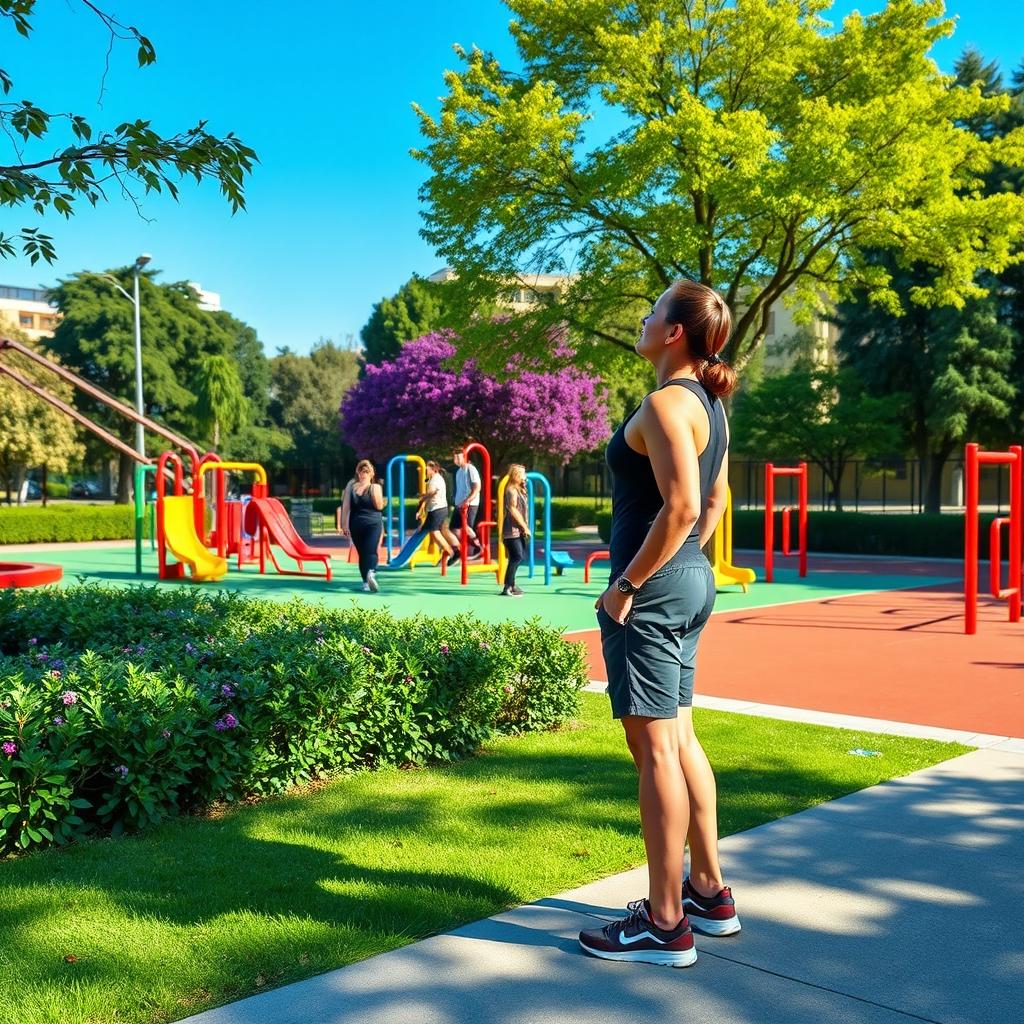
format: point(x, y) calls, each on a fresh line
point(122, 770)
point(227, 691)
point(69, 697)
point(140, 649)
point(126, 650)
point(43, 657)
point(366, 650)
point(190, 648)
point(509, 688)
point(445, 648)
point(33, 641)
point(58, 719)
point(227, 722)
point(484, 645)
point(408, 680)
point(9, 748)
point(166, 734)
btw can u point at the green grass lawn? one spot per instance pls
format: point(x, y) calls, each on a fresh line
point(201, 912)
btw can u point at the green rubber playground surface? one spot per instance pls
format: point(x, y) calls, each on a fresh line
point(567, 604)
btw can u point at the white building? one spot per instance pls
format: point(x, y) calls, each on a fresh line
point(209, 301)
point(28, 310)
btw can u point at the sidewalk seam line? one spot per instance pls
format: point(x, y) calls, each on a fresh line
point(820, 988)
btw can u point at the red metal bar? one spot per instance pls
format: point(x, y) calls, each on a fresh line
point(971, 539)
point(594, 556)
point(787, 511)
point(483, 528)
point(1016, 529)
point(995, 556)
point(769, 521)
point(803, 519)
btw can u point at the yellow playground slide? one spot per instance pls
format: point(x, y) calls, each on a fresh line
point(720, 556)
point(180, 534)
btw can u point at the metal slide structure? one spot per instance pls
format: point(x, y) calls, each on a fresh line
point(8, 345)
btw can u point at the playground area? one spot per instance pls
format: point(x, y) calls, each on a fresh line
point(873, 638)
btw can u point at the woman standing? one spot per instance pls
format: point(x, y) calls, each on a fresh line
point(670, 479)
point(361, 520)
point(515, 530)
point(435, 497)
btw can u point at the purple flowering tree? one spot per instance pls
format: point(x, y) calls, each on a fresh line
point(419, 404)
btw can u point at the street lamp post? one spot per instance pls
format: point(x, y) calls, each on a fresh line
point(140, 435)
point(140, 262)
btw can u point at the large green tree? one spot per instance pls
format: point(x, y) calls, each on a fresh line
point(947, 373)
point(220, 403)
point(96, 337)
point(57, 161)
point(306, 393)
point(817, 413)
point(960, 368)
point(737, 142)
point(416, 309)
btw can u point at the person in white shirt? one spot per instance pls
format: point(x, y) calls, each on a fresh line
point(467, 492)
point(435, 498)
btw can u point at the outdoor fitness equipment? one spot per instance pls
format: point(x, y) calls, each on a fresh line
point(482, 526)
point(974, 459)
point(770, 473)
point(418, 549)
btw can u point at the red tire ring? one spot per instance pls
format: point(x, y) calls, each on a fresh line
point(28, 574)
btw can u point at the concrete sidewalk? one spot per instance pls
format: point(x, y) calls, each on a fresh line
point(901, 902)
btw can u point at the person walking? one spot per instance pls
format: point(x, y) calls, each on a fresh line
point(669, 466)
point(361, 520)
point(515, 530)
point(435, 500)
point(466, 506)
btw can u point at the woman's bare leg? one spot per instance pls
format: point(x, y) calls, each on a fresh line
point(705, 870)
point(438, 538)
point(663, 811)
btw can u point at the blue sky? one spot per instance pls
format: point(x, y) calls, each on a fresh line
point(324, 97)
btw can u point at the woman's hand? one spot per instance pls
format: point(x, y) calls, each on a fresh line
point(616, 604)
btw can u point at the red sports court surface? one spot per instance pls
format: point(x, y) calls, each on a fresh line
point(900, 655)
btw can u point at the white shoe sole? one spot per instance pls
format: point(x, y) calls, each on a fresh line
point(372, 584)
point(716, 928)
point(666, 958)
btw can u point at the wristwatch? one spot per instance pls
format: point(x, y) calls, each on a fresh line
point(625, 587)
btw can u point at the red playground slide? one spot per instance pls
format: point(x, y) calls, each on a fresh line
point(275, 527)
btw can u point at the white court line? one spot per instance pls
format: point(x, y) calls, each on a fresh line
point(856, 722)
point(933, 582)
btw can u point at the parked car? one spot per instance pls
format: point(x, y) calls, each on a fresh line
point(84, 489)
point(33, 493)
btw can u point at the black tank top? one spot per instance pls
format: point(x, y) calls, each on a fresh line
point(361, 510)
point(636, 499)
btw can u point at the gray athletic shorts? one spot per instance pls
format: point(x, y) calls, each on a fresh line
point(651, 660)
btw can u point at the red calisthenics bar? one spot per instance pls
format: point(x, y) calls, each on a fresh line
point(974, 459)
point(770, 473)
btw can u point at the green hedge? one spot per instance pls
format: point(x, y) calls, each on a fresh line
point(119, 708)
point(57, 490)
point(858, 533)
point(66, 523)
point(568, 513)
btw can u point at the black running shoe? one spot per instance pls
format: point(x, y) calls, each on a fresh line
point(455, 557)
point(710, 915)
point(637, 938)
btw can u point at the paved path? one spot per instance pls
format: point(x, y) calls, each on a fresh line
point(902, 902)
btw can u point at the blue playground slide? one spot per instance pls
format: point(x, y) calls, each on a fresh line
point(403, 556)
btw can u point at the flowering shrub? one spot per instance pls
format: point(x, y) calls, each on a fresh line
point(120, 708)
point(415, 402)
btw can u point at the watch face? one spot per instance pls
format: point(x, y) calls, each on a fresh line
point(625, 587)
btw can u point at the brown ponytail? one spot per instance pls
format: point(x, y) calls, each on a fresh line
point(706, 320)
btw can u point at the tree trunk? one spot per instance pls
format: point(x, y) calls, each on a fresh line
point(126, 465)
point(933, 480)
point(43, 485)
